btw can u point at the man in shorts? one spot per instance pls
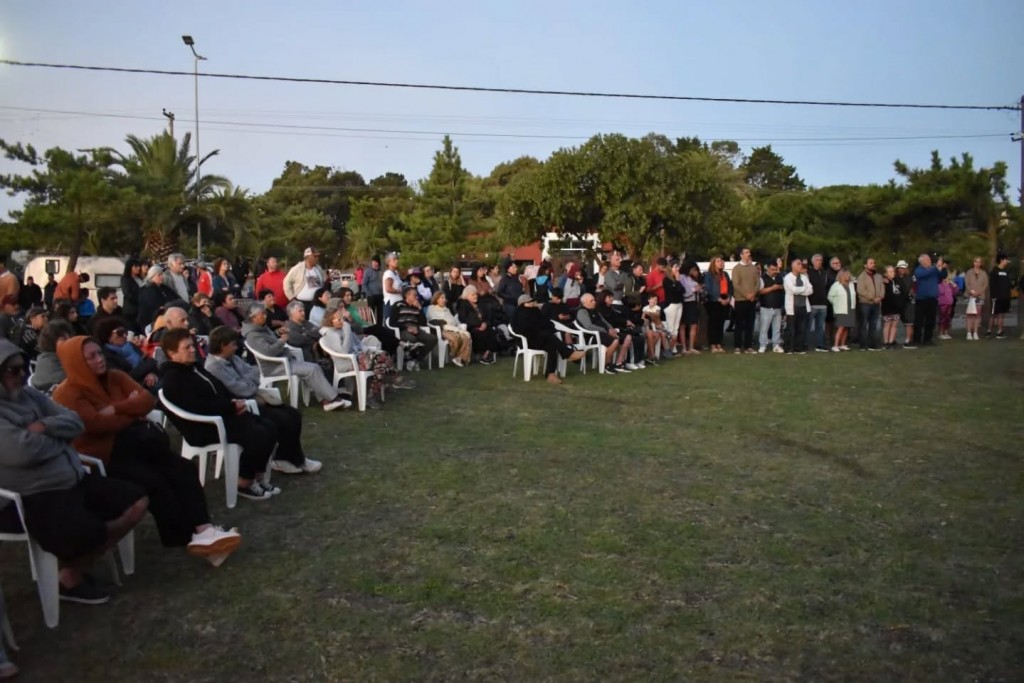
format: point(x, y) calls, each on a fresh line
point(74, 515)
point(1001, 288)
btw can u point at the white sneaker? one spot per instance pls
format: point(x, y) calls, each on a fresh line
point(631, 366)
point(285, 467)
point(762, 349)
point(641, 365)
point(214, 540)
point(778, 349)
point(844, 347)
point(457, 362)
point(311, 466)
point(836, 349)
point(337, 403)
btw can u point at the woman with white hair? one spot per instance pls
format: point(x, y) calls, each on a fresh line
point(154, 295)
point(339, 337)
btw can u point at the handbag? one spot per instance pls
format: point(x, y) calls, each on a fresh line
point(972, 306)
point(270, 395)
point(370, 343)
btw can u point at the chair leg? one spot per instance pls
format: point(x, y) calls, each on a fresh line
point(515, 364)
point(361, 389)
point(293, 391)
point(48, 584)
point(231, 475)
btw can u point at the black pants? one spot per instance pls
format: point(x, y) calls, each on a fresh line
point(142, 455)
point(257, 436)
point(428, 340)
point(717, 315)
point(925, 313)
point(288, 423)
point(796, 331)
point(484, 341)
point(744, 324)
point(555, 349)
point(388, 342)
point(376, 304)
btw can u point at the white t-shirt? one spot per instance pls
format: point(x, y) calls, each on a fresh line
point(390, 298)
point(314, 281)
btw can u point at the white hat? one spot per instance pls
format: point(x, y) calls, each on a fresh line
point(902, 264)
point(310, 251)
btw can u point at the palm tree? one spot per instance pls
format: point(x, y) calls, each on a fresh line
point(167, 199)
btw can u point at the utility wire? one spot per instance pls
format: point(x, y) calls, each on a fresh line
point(271, 127)
point(515, 91)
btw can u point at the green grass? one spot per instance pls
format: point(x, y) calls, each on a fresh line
point(820, 518)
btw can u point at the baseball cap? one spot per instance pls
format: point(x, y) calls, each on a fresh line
point(310, 251)
point(524, 299)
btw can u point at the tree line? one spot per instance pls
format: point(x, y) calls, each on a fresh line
point(646, 195)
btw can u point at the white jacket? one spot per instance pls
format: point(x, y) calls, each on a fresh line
point(295, 280)
point(792, 290)
point(838, 298)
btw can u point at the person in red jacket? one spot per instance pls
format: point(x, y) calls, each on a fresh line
point(273, 279)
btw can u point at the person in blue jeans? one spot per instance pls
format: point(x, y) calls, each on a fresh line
point(821, 279)
point(870, 292)
point(927, 279)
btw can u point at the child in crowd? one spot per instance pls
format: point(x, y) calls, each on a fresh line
point(654, 328)
point(947, 296)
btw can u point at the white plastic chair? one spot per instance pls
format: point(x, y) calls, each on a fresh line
point(44, 566)
point(275, 369)
point(442, 343)
point(594, 344)
point(297, 357)
point(341, 372)
point(533, 359)
point(228, 454)
point(579, 342)
point(400, 354)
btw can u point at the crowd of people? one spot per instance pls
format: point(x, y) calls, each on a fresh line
point(96, 371)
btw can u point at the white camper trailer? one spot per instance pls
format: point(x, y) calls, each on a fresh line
point(104, 271)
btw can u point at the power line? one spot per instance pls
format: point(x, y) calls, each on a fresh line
point(279, 127)
point(516, 91)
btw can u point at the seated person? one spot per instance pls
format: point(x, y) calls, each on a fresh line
point(460, 343)
point(125, 355)
point(556, 308)
point(620, 318)
point(541, 335)
point(188, 386)
point(243, 381)
point(262, 340)
point(35, 320)
point(320, 299)
point(407, 317)
point(300, 333)
point(174, 318)
point(485, 339)
point(225, 311)
point(70, 513)
point(109, 307)
point(200, 315)
point(66, 311)
point(48, 372)
point(361, 327)
point(655, 329)
point(341, 338)
point(589, 318)
point(11, 321)
point(113, 408)
point(86, 308)
point(276, 316)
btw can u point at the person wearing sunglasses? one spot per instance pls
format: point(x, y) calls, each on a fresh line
point(124, 355)
point(73, 514)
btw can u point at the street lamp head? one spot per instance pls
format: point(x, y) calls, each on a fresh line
point(188, 40)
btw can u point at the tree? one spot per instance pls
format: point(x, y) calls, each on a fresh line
point(765, 170)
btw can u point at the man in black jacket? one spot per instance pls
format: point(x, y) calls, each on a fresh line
point(819, 277)
point(541, 335)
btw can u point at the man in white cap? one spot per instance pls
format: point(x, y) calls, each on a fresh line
point(305, 277)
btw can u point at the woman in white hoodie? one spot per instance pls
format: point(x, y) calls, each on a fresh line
point(842, 295)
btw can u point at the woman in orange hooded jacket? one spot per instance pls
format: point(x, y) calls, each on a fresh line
point(113, 408)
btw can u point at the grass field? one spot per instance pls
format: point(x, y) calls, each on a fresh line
point(823, 518)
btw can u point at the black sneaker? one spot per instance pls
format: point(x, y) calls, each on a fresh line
point(909, 346)
point(88, 592)
point(610, 370)
point(651, 361)
point(988, 334)
point(1000, 335)
point(255, 492)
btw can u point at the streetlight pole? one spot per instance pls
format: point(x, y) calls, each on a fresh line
point(199, 160)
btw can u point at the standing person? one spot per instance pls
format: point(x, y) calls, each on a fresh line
point(49, 289)
point(373, 288)
point(820, 280)
point(947, 299)
point(153, 296)
point(615, 279)
point(926, 303)
point(31, 294)
point(391, 285)
point(223, 280)
point(305, 277)
point(273, 279)
point(509, 289)
point(131, 283)
point(176, 278)
point(452, 287)
point(976, 287)
point(70, 286)
point(908, 311)
point(894, 304)
point(428, 284)
point(773, 302)
point(798, 306)
point(842, 296)
point(573, 288)
point(673, 307)
point(1001, 287)
point(9, 283)
point(719, 294)
point(746, 283)
point(835, 264)
point(689, 277)
point(870, 292)
point(655, 282)
point(113, 409)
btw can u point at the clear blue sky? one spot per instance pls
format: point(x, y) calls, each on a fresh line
point(927, 51)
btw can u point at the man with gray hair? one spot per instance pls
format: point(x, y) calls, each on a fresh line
point(176, 271)
point(264, 341)
point(819, 278)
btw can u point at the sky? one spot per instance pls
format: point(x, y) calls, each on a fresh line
point(911, 51)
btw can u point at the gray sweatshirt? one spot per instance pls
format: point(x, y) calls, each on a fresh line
point(29, 462)
point(263, 340)
point(240, 378)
